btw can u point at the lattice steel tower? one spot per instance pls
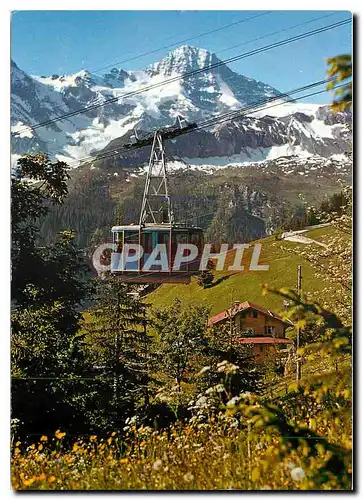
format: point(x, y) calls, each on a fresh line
point(156, 204)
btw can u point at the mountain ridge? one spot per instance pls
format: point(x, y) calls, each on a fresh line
point(277, 129)
point(36, 99)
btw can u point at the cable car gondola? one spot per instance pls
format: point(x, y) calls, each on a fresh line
point(157, 250)
point(147, 238)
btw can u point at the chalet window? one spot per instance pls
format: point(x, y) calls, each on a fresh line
point(269, 330)
point(254, 313)
point(248, 332)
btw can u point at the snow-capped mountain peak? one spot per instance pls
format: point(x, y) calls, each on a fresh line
point(60, 82)
point(195, 97)
point(183, 60)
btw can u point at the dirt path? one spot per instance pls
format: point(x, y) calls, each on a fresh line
point(297, 236)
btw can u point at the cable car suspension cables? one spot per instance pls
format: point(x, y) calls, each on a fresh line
point(186, 75)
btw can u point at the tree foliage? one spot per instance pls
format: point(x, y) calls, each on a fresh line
point(48, 288)
point(182, 340)
point(118, 343)
point(340, 70)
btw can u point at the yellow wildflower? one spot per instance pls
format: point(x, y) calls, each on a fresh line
point(51, 479)
point(93, 438)
point(59, 434)
point(28, 482)
point(44, 438)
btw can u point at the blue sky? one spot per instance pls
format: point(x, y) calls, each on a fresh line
point(48, 42)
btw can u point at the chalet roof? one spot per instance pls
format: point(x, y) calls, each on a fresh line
point(262, 340)
point(243, 306)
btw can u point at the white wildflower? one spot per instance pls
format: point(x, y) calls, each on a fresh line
point(157, 464)
point(204, 369)
point(298, 474)
point(188, 477)
point(234, 401)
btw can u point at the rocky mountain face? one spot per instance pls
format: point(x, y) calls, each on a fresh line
point(290, 128)
point(316, 132)
point(233, 204)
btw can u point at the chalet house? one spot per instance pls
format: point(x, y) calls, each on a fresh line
point(253, 325)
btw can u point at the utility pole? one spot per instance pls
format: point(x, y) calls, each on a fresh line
point(231, 314)
point(298, 364)
point(231, 321)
